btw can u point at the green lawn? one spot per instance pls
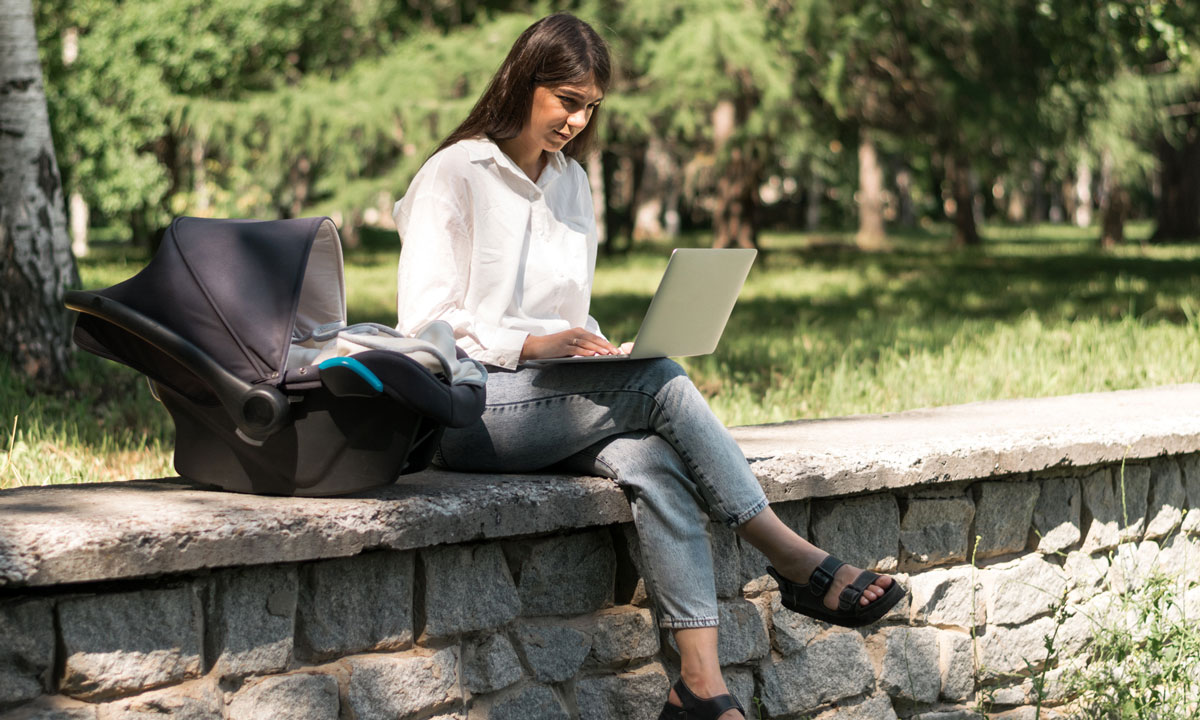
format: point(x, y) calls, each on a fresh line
point(821, 330)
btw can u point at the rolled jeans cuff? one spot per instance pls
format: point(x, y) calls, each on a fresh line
point(686, 623)
point(745, 516)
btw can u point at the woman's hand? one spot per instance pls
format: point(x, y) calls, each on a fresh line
point(575, 341)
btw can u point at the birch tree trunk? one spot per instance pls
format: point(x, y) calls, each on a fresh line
point(36, 265)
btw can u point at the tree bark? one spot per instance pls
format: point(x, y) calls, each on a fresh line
point(813, 195)
point(595, 173)
point(1179, 172)
point(907, 216)
point(734, 218)
point(1083, 193)
point(871, 235)
point(36, 265)
point(657, 194)
point(958, 173)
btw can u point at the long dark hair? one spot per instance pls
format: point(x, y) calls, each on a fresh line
point(559, 49)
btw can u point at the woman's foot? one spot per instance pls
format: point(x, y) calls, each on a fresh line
point(704, 688)
point(799, 568)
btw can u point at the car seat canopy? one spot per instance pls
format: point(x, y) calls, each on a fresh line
point(237, 289)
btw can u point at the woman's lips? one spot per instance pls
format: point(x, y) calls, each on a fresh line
point(564, 136)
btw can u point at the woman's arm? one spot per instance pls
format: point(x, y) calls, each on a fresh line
point(435, 265)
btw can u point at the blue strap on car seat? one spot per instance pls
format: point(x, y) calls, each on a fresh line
point(345, 376)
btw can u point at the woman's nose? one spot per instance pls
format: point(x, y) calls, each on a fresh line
point(578, 119)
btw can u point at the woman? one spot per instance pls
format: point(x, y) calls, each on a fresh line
point(499, 240)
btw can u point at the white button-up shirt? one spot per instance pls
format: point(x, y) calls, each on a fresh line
point(496, 255)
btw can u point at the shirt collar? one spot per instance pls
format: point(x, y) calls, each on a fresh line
point(484, 149)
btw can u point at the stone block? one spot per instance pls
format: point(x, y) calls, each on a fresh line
point(1180, 560)
point(197, 700)
point(1022, 589)
point(1167, 498)
point(554, 652)
point(637, 695)
point(1132, 565)
point(953, 714)
point(831, 668)
point(53, 707)
point(957, 665)
point(252, 613)
point(531, 701)
point(1003, 516)
point(934, 530)
point(949, 597)
point(1077, 631)
point(355, 604)
point(1056, 514)
point(415, 683)
point(863, 531)
point(727, 560)
point(911, 666)
point(490, 664)
point(568, 575)
point(121, 643)
point(740, 682)
point(872, 707)
point(467, 588)
point(791, 632)
point(754, 577)
point(1189, 467)
point(1132, 486)
point(741, 634)
point(1004, 651)
point(623, 634)
point(27, 650)
point(1101, 505)
point(1087, 574)
point(308, 696)
point(1013, 694)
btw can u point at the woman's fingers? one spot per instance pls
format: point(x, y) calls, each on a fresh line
point(583, 342)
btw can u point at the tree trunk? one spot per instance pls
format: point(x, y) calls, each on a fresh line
point(654, 193)
point(958, 173)
point(813, 196)
point(618, 220)
point(1083, 193)
point(1037, 176)
point(36, 265)
point(734, 221)
point(907, 217)
point(79, 215)
point(1179, 172)
point(871, 235)
point(595, 172)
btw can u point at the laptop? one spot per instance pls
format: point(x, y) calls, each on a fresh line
point(690, 308)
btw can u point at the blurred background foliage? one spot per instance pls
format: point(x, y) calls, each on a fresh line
point(734, 115)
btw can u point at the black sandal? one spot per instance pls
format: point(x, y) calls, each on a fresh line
point(808, 598)
point(695, 708)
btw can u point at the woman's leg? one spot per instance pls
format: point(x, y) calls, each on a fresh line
point(676, 553)
point(795, 558)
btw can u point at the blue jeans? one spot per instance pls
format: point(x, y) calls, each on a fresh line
point(644, 424)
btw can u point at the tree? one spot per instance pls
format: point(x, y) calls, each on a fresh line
point(717, 84)
point(36, 265)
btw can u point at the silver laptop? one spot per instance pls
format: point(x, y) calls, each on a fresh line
point(690, 308)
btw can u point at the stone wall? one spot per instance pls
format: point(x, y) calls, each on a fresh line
point(489, 622)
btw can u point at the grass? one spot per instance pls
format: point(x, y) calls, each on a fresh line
point(821, 329)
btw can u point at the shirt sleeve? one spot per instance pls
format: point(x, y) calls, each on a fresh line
point(435, 263)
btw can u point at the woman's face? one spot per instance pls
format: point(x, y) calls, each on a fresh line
point(559, 113)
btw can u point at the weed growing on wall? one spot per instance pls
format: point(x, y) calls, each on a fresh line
point(1145, 662)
